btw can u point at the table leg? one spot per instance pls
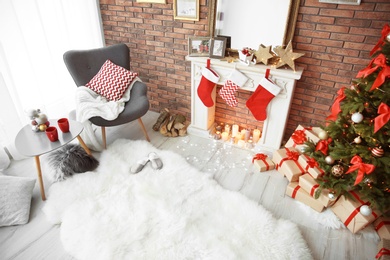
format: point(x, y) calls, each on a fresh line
point(38, 165)
point(81, 141)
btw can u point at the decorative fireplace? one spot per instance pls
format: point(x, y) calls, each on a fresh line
point(202, 117)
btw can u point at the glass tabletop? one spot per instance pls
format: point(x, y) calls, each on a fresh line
point(30, 143)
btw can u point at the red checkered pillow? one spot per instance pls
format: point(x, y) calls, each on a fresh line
point(111, 81)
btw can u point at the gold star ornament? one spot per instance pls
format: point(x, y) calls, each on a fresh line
point(287, 56)
point(263, 54)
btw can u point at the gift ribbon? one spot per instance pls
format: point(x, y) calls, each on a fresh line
point(299, 137)
point(312, 163)
point(263, 157)
point(295, 191)
point(379, 62)
point(383, 117)
point(322, 146)
point(335, 110)
point(363, 168)
point(313, 189)
point(357, 210)
point(382, 252)
point(385, 32)
point(381, 224)
point(293, 156)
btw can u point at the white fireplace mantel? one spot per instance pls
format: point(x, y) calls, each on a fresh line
point(202, 117)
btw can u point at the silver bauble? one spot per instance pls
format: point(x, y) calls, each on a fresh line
point(357, 117)
point(331, 196)
point(357, 140)
point(323, 135)
point(329, 160)
point(365, 210)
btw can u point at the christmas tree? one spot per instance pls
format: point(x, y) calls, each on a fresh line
point(354, 150)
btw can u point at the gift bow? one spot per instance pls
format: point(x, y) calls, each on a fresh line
point(383, 117)
point(385, 32)
point(259, 156)
point(336, 105)
point(357, 164)
point(311, 162)
point(379, 62)
point(299, 137)
point(382, 252)
point(323, 146)
point(292, 155)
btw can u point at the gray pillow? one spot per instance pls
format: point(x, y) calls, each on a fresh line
point(15, 200)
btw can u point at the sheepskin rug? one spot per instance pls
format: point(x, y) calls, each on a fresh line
point(177, 212)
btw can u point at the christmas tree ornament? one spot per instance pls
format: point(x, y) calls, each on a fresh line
point(361, 168)
point(365, 210)
point(263, 54)
point(357, 140)
point(377, 152)
point(329, 160)
point(331, 195)
point(357, 117)
point(336, 105)
point(207, 83)
point(323, 135)
point(232, 84)
point(337, 170)
point(287, 56)
point(259, 100)
point(383, 117)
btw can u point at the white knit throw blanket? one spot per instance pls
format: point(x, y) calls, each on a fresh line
point(90, 104)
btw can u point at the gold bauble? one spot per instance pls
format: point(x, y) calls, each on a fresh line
point(42, 127)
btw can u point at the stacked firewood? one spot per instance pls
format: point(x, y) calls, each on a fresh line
point(170, 124)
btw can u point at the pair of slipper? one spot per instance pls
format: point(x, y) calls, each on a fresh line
point(154, 160)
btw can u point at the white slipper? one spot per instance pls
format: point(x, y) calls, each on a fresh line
point(136, 168)
point(155, 161)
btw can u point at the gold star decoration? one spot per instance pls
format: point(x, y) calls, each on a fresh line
point(287, 56)
point(263, 54)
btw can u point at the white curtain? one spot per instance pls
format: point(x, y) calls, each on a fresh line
point(34, 34)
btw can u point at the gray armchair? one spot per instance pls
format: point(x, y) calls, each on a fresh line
point(83, 65)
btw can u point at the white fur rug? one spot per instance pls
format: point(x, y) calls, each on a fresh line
point(174, 213)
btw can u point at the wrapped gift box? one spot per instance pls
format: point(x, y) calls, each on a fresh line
point(262, 162)
point(383, 250)
point(286, 162)
point(301, 135)
point(382, 227)
point(310, 165)
point(310, 185)
point(348, 211)
point(296, 192)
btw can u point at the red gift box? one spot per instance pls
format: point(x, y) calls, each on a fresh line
point(286, 161)
point(382, 227)
point(310, 185)
point(301, 135)
point(263, 163)
point(296, 192)
point(310, 165)
point(348, 211)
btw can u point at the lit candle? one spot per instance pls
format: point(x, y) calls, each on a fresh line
point(225, 136)
point(234, 130)
point(238, 137)
point(241, 143)
point(249, 144)
point(218, 128)
point(256, 135)
point(247, 135)
point(227, 129)
point(217, 135)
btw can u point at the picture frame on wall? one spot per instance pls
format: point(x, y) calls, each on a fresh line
point(218, 47)
point(199, 46)
point(186, 10)
point(152, 1)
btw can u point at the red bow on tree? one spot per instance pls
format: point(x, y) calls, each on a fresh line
point(323, 146)
point(383, 117)
point(385, 32)
point(336, 105)
point(363, 168)
point(299, 137)
point(379, 62)
point(259, 156)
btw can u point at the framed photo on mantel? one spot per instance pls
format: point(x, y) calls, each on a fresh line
point(218, 47)
point(199, 46)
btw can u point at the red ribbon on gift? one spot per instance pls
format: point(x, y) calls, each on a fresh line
point(357, 210)
point(379, 62)
point(335, 110)
point(312, 163)
point(263, 157)
point(313, 189)
point(299, 137)
point(291, 155)
point(295, 191)
point(385, 32)
point(383, 118)
point(382, 252)
point(381, 224)
point(323, 146)
point(363, 168)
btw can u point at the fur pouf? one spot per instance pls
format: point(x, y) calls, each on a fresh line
point(69, 160)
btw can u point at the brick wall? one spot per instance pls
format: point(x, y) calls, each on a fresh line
point(336, 40)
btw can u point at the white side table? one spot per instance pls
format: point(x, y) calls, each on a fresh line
point(34, 144)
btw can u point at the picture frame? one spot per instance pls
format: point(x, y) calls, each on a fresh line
point(186, 10)
point(152, 1)
point(218, 47)
point(199, 46)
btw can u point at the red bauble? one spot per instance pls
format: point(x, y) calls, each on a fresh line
point(377, 152)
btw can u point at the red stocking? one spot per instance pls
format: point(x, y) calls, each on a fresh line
point(258, 102)
point(206, 86)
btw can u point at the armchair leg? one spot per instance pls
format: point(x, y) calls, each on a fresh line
point(143, 129)
point(104, 137)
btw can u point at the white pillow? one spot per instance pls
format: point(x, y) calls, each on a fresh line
point(15, 200)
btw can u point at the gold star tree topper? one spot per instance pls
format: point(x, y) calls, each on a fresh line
point(263, 54)
point(287, 56)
